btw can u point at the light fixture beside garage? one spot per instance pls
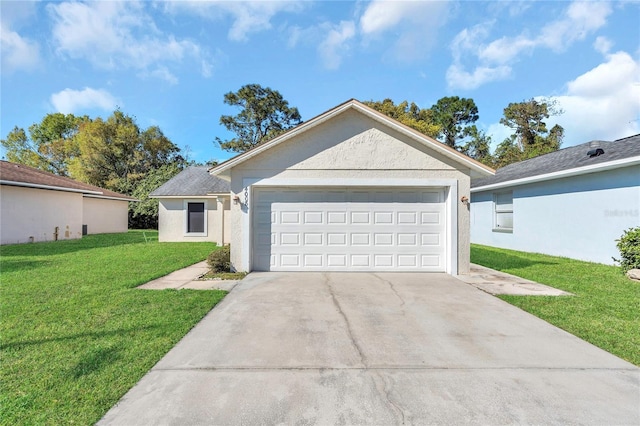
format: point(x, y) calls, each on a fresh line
point(464, 200)
point(236, 200)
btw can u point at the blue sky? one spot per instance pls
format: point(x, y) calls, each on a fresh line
point(170, 63)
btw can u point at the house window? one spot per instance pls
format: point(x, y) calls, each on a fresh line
point(196, 218)
point(503, 212)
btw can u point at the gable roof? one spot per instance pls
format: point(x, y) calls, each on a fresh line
point(14, 174)
point(565, 162)
point(194, 181)
point(477, 169)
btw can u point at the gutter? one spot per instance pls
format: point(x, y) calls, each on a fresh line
point(53, 188)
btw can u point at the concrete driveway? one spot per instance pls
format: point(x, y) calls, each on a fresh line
point(364, 348)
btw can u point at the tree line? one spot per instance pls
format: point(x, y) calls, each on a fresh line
point(116, 154)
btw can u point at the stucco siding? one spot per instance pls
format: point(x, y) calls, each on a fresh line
point(32, 215)
point(104, 216)
point(172, 220)
point(578, 217)
point(354, 147)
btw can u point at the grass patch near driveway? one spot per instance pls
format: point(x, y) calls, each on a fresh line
point(605, 310)
point(76, 334)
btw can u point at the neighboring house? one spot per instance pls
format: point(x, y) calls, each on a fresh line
point(574, 202)
point(350, 190)
point(193, 206)
point(39, 206)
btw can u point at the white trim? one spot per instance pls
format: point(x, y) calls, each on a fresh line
point(381, 118)
point(53, 188)
point(208, 196)
point(106, 197)
point(185, 208)
point(625, 162)
point(451, 196)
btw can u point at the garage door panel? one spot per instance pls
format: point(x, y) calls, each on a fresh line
point(349, 230)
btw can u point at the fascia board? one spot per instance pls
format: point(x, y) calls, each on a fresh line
point(50, 187)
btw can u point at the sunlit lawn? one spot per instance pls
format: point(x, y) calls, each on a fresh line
point(75, 332)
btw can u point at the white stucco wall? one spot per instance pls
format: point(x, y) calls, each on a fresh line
point(578, 217)
point(172, 220)
point(32, 215)
point(350, 146)
point(104, 216)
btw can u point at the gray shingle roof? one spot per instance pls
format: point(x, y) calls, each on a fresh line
point(192, 181)
point(565, 159)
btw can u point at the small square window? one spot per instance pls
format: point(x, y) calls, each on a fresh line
point(503, 212)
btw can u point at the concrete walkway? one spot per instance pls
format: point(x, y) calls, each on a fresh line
point(187, 278)
point(496, 282)
point(378, 348)
point(488, 280)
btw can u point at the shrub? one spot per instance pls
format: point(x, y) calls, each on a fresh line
point(629, 246)
point(220, 260)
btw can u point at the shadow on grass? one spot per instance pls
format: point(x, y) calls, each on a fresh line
point(88, 242)
point(95, 360)
point(499, 260)
point(11, 265)
point(98, 334)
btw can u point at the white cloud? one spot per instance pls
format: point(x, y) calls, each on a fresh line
point(115, 35)
point(458, 77)
point(69, 101)
point(495, 58)
point(603, 103)
point(581, 18)
point(17, 51)
point(335, 44)
point(602, 45)
point(164, 74)
point(415, 23)
point(248, 17)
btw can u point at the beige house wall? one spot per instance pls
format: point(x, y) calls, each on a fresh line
point(32, 215)
point(104, 216)
point(350, 146)
point(172, 218)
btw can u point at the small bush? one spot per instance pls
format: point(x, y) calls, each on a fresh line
point(629, 246)
point(220, 260)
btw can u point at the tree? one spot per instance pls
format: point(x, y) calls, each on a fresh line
point(478, 146)
point(115, 154)
point(264, 115)
point(144, 214)
point(50, 144)
point(455, 116)
point(531, 137)
point(408, 114)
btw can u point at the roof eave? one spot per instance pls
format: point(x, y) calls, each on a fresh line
point(601, 167)
point(49, 187)
point(478, 169)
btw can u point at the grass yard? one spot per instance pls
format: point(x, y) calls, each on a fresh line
point(76, 334)
point(605, 310)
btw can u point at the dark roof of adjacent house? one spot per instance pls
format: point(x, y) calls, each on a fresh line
point(192, 181)
point(565, 159)
point(14, 174)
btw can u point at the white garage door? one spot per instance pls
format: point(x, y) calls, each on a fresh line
point(349, 229)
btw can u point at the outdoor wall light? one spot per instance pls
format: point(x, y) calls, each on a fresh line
point(236, 200)
point(464, 199)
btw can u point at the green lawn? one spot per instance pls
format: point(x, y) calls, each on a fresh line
point(76, 334)
point(604, 311)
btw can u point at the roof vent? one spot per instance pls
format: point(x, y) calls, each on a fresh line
point(595, 152)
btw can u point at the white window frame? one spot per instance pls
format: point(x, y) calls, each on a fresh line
point(498, 208)
point(185, 204)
